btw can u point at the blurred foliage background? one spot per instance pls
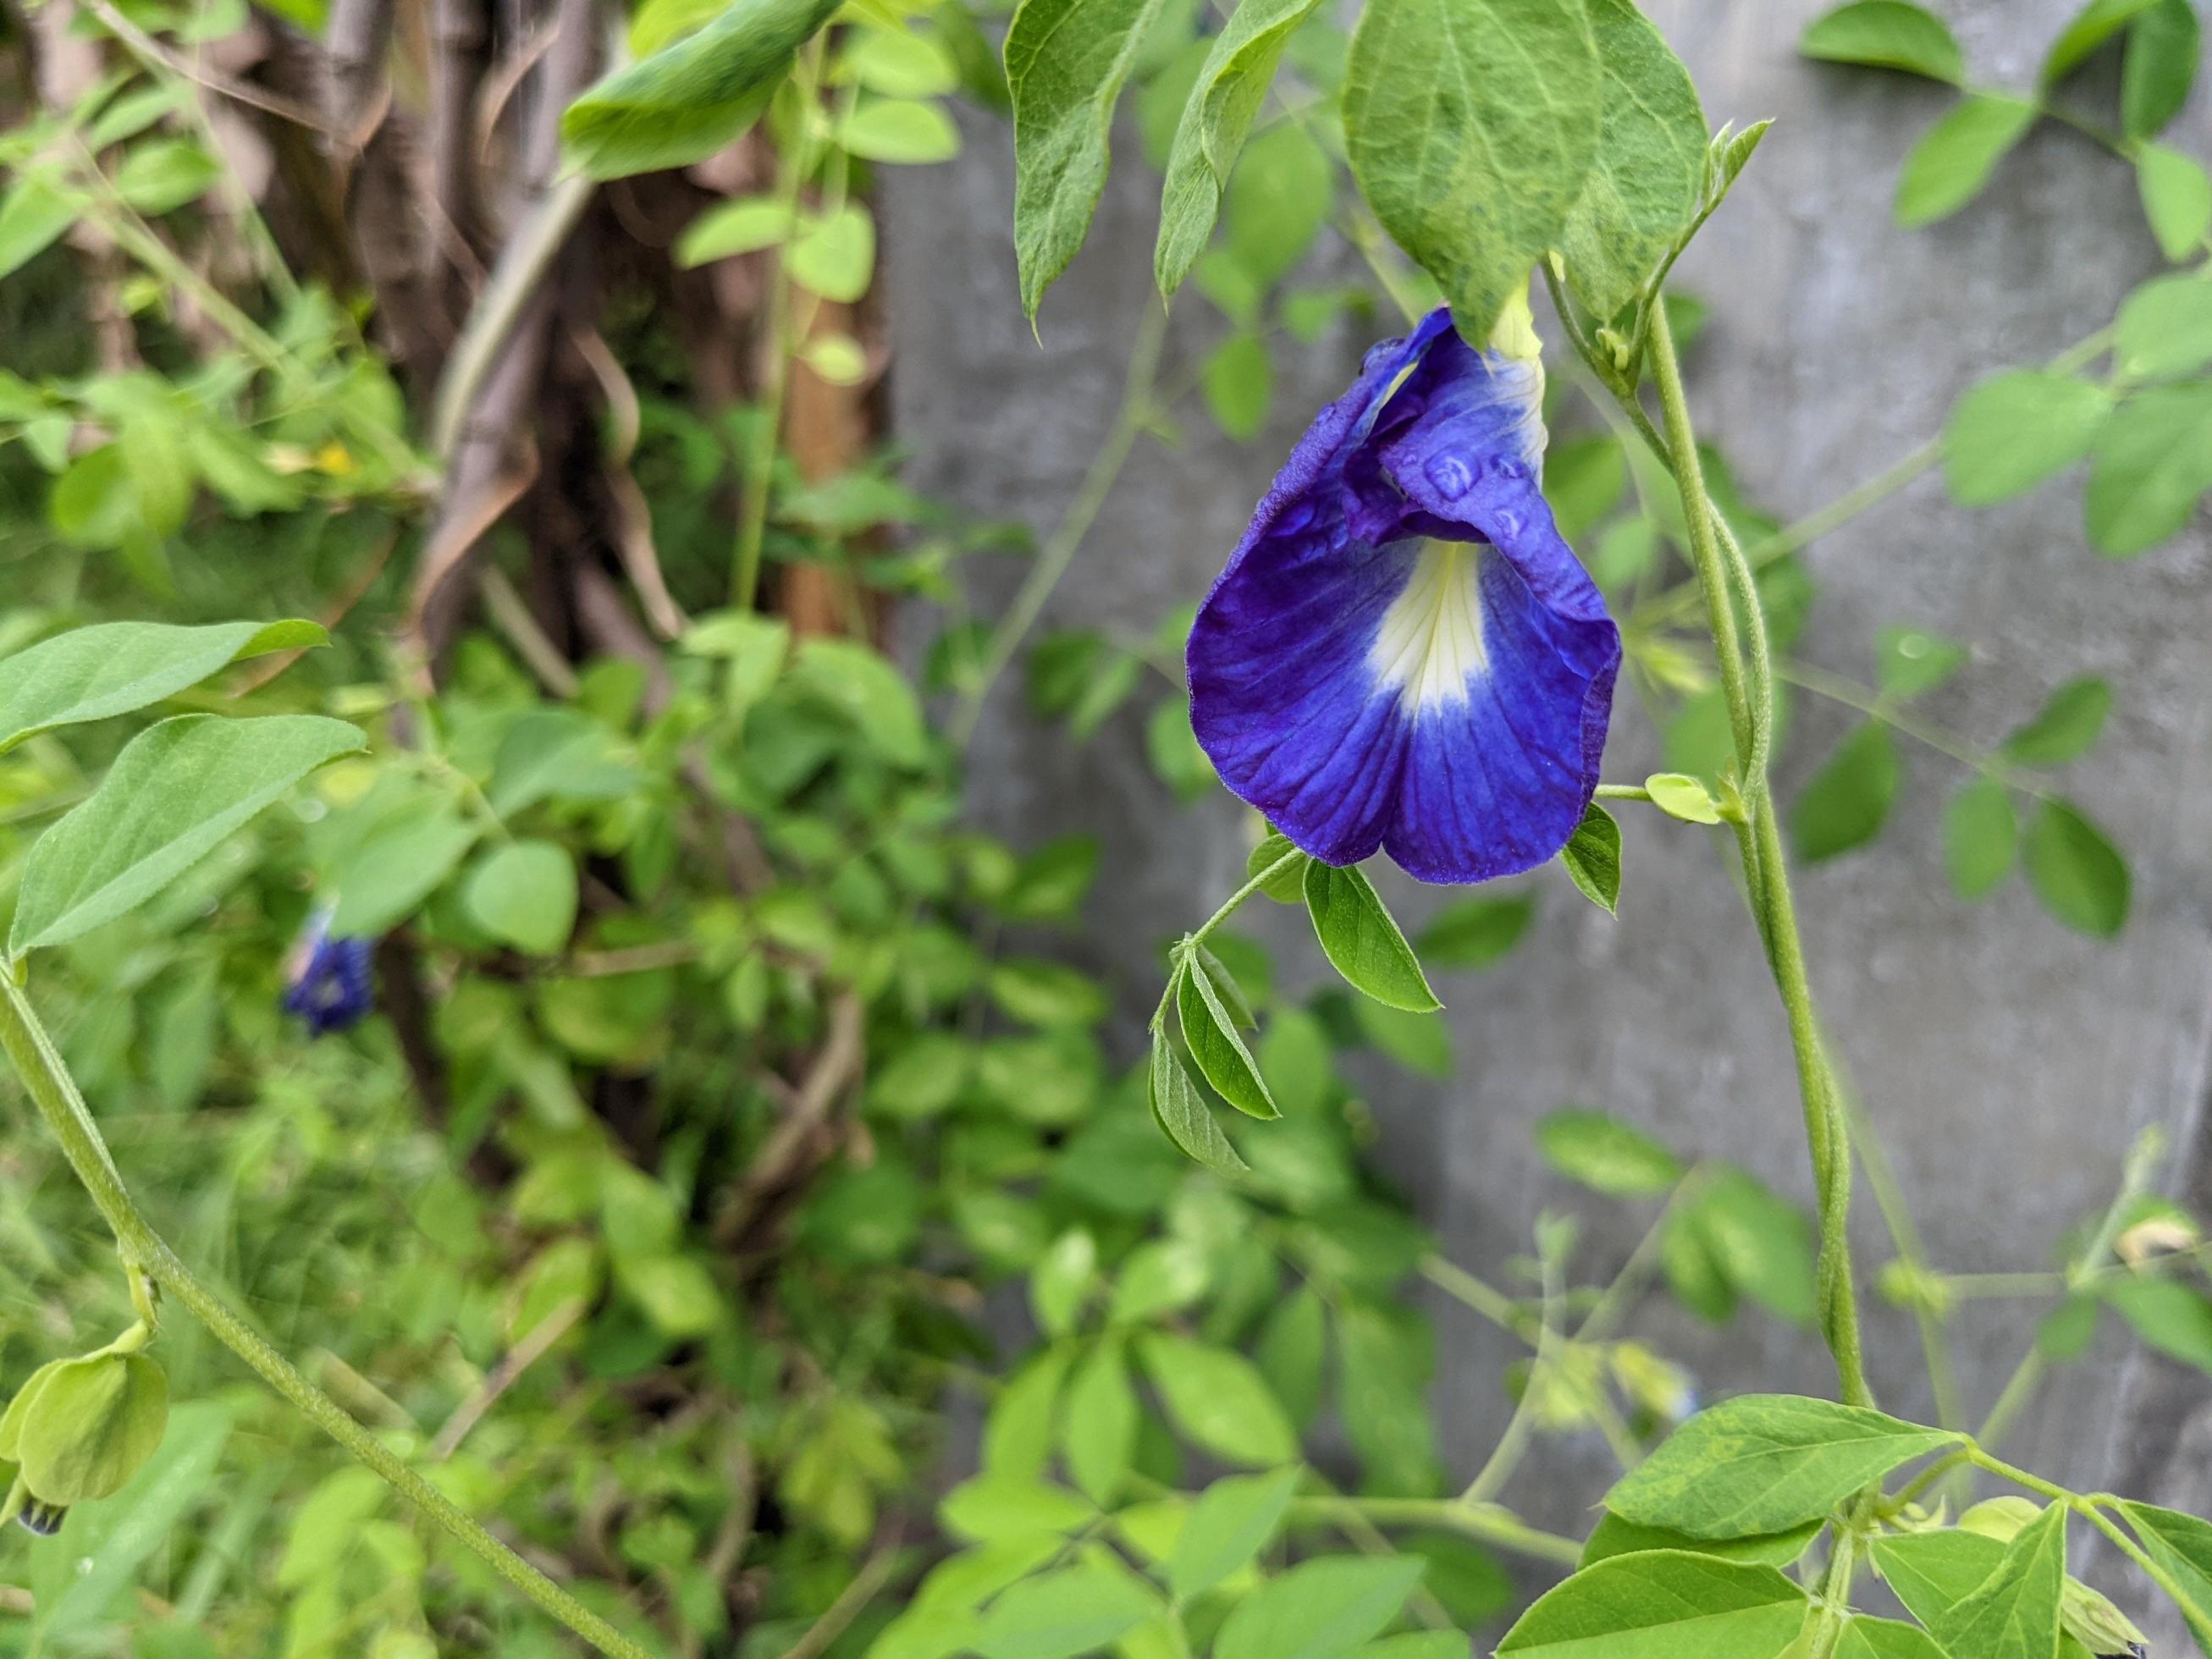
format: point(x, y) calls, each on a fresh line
point(735, 1197)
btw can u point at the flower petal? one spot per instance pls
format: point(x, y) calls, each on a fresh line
point(1403, 653)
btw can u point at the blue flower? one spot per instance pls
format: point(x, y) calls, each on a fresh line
point(325, 978)
point(1403, 653)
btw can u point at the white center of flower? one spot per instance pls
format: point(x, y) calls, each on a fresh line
point(1430, 645)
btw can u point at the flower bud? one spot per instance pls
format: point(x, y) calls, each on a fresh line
point(2001, 1518)
point(80, 1428)
point(1514, 333)
point(2091, 1620)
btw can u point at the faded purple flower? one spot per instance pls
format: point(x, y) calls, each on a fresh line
point(326, 980)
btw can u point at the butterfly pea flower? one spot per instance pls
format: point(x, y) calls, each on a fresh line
point(1403, 653)
point(326, 980)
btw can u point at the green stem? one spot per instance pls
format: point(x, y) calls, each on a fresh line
point(35, 1060)
point(2091, 1508)
point(1228, 908)
point(1722, 569)
point(1875, 707)
point(775, 386)
point(1905, 1237)
point(2135, 1177)
point(1483, 1298)
point(2199, 1616)
point(1680, 601)
point(1714, 579)
point(1486, 1522)
point(1066, 540)
point(1505, 1456)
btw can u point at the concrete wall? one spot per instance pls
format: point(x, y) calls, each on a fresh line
point(2005, 1062)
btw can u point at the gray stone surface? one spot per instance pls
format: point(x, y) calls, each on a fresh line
point(2005, 1062)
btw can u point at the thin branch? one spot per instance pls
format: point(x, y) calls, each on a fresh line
point(867, 1585)
point(502, 1376)
point(835, 1067)
point(147, 49)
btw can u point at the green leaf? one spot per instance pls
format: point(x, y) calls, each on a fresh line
point(1288, 886)
point(1416, 1645)
point(1693, 1273)
point(858, 680)
point(1101, 1422)
point(1613, 1536)
point(1319, 1609)
point(524, 894)
point(1605, 1154)
point(1057, 1615)
point(1183, 1117)
point(2177, 198)
point(1647, 180)
point(34, 214)
point(1016, 1441)
point(1419, 1042)
point(2182, 1544)
point(1233, 1520)
point(1910, 662)
point(1584, 479)
point(1161, 1276)
point(2079, 875)
point(177, 791)
point(163, 175)
point(92, 673)
point(1061, 1282)
point(2172, 1317)
point(2010, 432)
point(1477, 932)
point(92, 1425)
point(1759, 1243)
point(2065, 727)
point(1278, 199)
point(899, 62)
point(1292, 1350)
point(2014, 1614)
point(1218, 1400)
point(901, 131)
point(1845, 804)
point(1765, 1463)
point(2090, 27)
point(105, 1556)
point(1681, 796)
point(1067, 61)
point(1981, 837)
point(1362, 940)
point(397, 865)
point(1947, 167)
point(1209, 1027)
point(1665, 1604)
point(1232, 82)
point(683, 102)
point(1885, 1638)
point(835, 256)
point(1592, 859)
point(2152, 461)
point(2164, 329)
point(1384, 1366)
point(743, 226)
point(1471, 126)
point(2160, 66)
point(1886, 34)
point(1239, 382)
